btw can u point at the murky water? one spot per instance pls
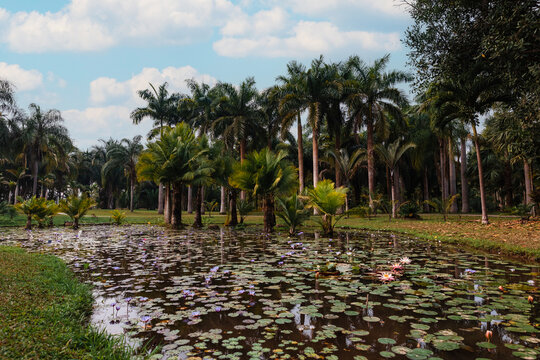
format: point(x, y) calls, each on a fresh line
point(220, 294)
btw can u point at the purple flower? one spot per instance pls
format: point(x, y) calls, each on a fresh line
point(217, 308)
point(280, 263)
point(128, 299)
point(195, 313)
point(214, 269)
point(252, 292)
point(241, 291)
point(116, 267)
point(117, 307)
point(143, 299)
point(470, 271)
point(145, 318)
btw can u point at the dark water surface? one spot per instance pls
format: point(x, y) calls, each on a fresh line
point(221, 294)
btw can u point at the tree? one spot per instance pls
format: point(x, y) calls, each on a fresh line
point(265, 174)
point(124, 155)
point(161, 107)
point(45, 138)
point(391, 156)
point(348, 165)
point(327, 200)
point(292, 212)
point(372, 97)
point(76, 207)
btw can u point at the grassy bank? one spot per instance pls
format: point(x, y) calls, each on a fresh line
point(43, 310)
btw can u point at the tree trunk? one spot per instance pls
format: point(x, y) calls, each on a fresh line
point(464, 182)
point(243, 146)
point(198, 208)
point(507, 184)
point(315, 157)
point(132, 188)
point(223, 203)
point(35, 177)
point(388, 182)
point(394, 202)
point(161, 198)
point(337, 147)
point(452, 176)
point(426, 190)
point(189, 199)
point(485, 219)
point(28, 222)
point(167, 213)
point(42, 192)
point(176, 219)
point(233, 221)
point(370, 162)
point(442, 153)
point(528, 182)
point(16, 193)
point(300, 156)
point(10, 196)
point(201, 205)
point(75, 223)
point(268, 206)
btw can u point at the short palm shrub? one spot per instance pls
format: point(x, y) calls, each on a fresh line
point(244, 208)
point(39, 209)
point(328, 200)
point(76, 207)
point(292, 212)
point(118, 217)
point(7, 210)
point(409, 210)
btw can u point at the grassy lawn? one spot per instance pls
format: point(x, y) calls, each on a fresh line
point(43, 310)
point(504, 234)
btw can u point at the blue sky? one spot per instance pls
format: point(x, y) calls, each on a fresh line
point(88, 58)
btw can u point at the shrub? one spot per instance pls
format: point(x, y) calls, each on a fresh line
point(39, 209)
point(328, 201)
point(76, 207)
point(244, 208)
point(409, 210)
point(118, 217)
point(292, 212)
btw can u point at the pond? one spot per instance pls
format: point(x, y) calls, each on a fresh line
point(221, 294)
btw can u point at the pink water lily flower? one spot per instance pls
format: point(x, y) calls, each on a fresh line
point(386, 276)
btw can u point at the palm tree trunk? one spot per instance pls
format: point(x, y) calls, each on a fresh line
point(234, 217)
point(176, 219)
point(394, 203)
point(161, 199)
point(464, 182)
point(132, 189)
point(507, 184)
point(485, 219)
point(388, 181)
point(10, 196)
point(337, 170)
point(189, 199)
point(243, 146)
point(370, 162)
point(167, 204)
point(528, 183)
point(75, 223)
point(42, 192)
point(300, 155)
point(223, 203)
point(426, 190)
point(201, 205)
point(198, 208)
point(16, 192)
point(268, 206)
point(28, 222)
point(444, 193)
point(35, 176)
point(452, 176)
point(315, 142)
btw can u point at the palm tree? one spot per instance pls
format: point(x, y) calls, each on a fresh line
point(291, 109)
point(161, 107)
point(348, 165)
point(391, 156)
point(45, 138)
point(7, 97)
point(372, 97)
point(265, 174)
point(466, 98)
point(201, 176)
point(292, 212)
point(327, 199)
point(125, 155)
point(76, 207)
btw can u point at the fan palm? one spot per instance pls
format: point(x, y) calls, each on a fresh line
point(265, 174)
point(76, 207)
point(328, 200)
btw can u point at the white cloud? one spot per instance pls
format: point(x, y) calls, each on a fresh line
point(89, 25)
point(262, 23)
point(308, 39)
point(332, 7)
point(23, 80)
point(107, 90)
point(88, 125)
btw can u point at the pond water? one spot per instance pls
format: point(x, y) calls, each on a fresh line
point(221, 294)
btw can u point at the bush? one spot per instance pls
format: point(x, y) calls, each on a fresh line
point(409, 210)
point(118, 217)
point(39, 209)
point(76, 207)
point(292, 212)
point(244, 208)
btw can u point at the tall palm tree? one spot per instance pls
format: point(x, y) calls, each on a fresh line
point(348, 165)
point(7, 97)
point(314, 88)
point(466, 98)
point(45, 137)
point(391, 156)
point(291, 109)
point(265, 174)
point(125, 155)
point(372, 96)
point(161, 107)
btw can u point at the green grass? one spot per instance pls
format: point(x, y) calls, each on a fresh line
point(44, 309)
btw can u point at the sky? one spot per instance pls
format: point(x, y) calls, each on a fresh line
point(88, 58)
